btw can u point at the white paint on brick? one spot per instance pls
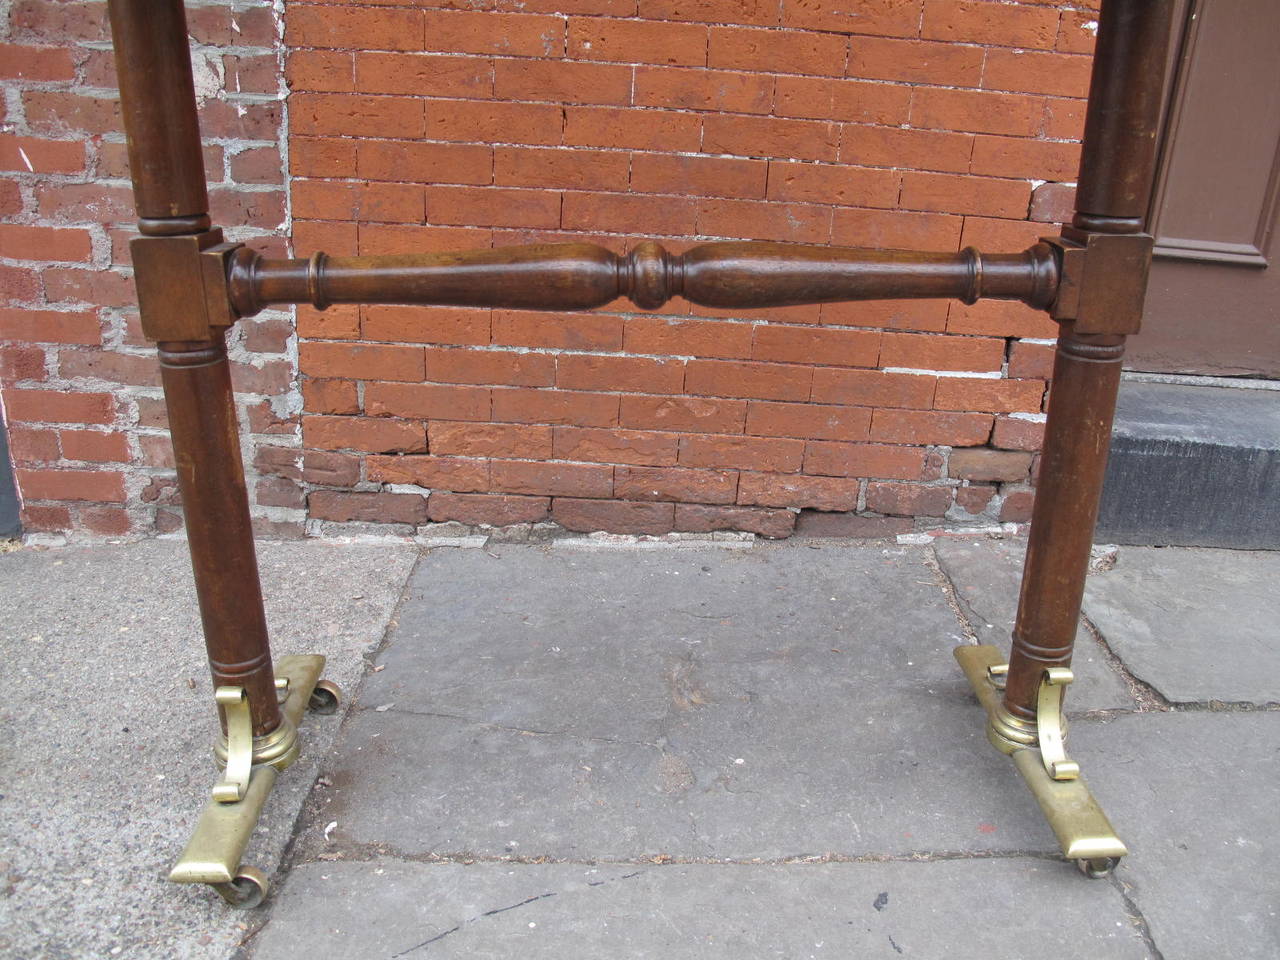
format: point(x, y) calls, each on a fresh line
point(914, 371)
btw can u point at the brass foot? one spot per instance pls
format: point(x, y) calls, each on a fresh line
point(1038, 751)
point(213, 854)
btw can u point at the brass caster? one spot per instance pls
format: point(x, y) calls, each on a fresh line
point(246, 890)
point(325, 698)
point(1097, 868)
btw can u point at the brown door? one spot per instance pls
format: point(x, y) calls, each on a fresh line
point(1214, 301)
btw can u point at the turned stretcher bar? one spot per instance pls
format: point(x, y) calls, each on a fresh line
point(192, 286)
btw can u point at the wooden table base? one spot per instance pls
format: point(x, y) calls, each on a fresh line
point(192, 286)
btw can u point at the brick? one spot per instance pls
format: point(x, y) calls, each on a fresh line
point(777, 222)
point(369, 507)
point(1063, 119)
point(631, 129)
point(697, 518)
point(329, 200)
point(107, 521)
point(251, 74)
point(106, 288)
point(562, 81)
point(613, 516)
point(837, 348)
point(929, 351)
point(908, 499)
point(994, 24)
point(680, 337)
point(561, 169)
point(875, 146)
point(91, 445)
point(451, 325)
point(683, 414)
point(424, 75)
point(486, 510)
point(50, 326)
point(720, 91)
point(45, 518)
point(427, 401)
point(35, 63)
point(851, 100)
point(974, 499)
point(895, 229)
point(484, 122)
point(949, 193)
point(1031, 71)
point(490, 367)
point(333, 469)
point(20, 242)
point(1020, 157)
point(771, 137)
point(609, 212)
point(361, 361)
point(1053, 203)
point(638, 41)
point(157, 450)
point(758, 12)
point(1000, 319)
point(915, 61)
point(257, 165)
point(1031, 361)
point(807, 421)
point(777, 51)
point(104, 486)
point(1017, 506)
point(555, 407)
point(21, 363)
point(506, 34)
point(72, 202)
point(698, 176)
point(243, 120)
point(1077, 31)
point(742, 453)
point(334, 323)
point(635, 447)
point(279, 492)
point(557, 331)
point(502, 440)
point(995, 396)
point(17, 283)
point(142, 371)
point(34, 446)
point(764, 381)
point(812, 523)
point(987, 233)
point(863, 460)
point(281, 462)
point(370, 434)
point(675, 483)
point(337, 115)
point(822, 183)
point(334, 239)
point(892, 18)
point(346, 28)
point(776, 490)
point(985, 464)
point(873, 388)
point(33, 155)
point(587, 372)
point(266, 334)
point(271, 379)
point(444, 473)
point(493, 206)
point(330, 396)
point(931, 427)
point(553, 479)
point(976, 111)
point(60, 21)
point(58, 112)
point(1014, 434)
point(58, 406)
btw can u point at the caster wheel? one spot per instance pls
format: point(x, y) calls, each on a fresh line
point(1097, 868)
point(246, 891)
point(325, 697)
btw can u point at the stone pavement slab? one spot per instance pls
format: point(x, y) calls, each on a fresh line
point(987, 575)
point(106, 724)
point(1197, 625)
point(780, 702)
point(1196, 797)
point(958, 909)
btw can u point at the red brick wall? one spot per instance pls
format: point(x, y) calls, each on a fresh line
point(927, 124)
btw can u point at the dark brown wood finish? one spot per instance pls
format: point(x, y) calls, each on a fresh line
point(158, 102)
point(578, 276)
point(1113, 195)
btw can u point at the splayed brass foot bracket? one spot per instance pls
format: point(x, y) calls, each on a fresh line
point(250, 766)
point(1039, 752)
